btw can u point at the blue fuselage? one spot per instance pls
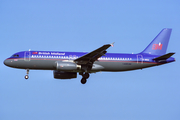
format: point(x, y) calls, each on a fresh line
point(46, 60)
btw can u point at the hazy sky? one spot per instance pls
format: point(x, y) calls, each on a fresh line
point(77, 25)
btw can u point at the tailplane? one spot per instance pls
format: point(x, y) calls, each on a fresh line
point(160, 43)
point(164, 57)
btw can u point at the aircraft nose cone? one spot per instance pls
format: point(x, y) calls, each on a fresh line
point(7, 62)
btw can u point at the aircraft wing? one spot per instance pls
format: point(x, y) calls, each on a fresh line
point(92, 56)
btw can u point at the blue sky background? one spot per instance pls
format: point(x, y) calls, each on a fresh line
point(148, 94)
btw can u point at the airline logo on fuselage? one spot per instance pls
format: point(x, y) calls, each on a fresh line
point(35, 53)
point(157, 46)
point(48, 53)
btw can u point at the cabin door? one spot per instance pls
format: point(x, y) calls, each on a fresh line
point(27, 56)
point(139, 59)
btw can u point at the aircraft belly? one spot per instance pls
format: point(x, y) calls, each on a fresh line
point(42, 64)
point(123, 66)
point(33, 64)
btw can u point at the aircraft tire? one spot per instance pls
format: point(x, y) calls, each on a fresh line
point(83, 80)
point(26, 77)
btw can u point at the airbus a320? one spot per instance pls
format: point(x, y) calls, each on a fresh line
point(66, 65)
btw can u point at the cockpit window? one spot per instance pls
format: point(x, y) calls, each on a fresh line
point(15, 55)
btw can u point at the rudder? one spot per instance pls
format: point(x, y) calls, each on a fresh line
point(159, 44)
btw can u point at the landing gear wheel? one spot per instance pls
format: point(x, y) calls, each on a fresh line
point(26, 77)
point(86, 75)
point(83, 80)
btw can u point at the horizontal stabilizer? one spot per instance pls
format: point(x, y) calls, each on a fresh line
point(164, 57)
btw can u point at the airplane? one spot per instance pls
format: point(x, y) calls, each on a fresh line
point(66, 65)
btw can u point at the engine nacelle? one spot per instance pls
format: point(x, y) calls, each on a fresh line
point(97, 67)
point(64, 75)
point(66, 66)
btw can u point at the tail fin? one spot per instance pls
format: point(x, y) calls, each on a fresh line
point(159, 45)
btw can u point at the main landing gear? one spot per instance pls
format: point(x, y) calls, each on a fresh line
point(85, 76)
point(26, 76)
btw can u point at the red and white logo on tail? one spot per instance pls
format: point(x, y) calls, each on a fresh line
point(157, 46)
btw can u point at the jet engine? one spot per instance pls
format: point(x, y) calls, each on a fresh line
point(66, 66)
point(64, 75)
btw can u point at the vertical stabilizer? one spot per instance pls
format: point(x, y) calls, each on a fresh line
point(160, 43)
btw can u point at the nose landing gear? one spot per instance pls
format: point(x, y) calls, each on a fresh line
point(85, 76)
point(26, 76)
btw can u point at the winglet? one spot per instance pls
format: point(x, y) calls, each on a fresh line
point(112, 44)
